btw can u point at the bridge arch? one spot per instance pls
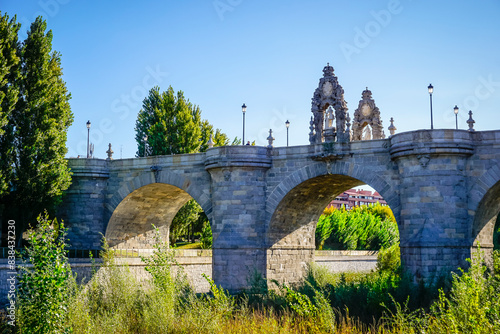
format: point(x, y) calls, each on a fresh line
point(150, 198)
point(346, 169)
point(296, 204)
point(485, 203)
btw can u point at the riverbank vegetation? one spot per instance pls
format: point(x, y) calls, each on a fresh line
point(383, 301)
point(366, 227)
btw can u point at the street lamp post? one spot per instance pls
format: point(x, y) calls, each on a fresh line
point(145, 138)
point(243, 109)
point(88, 139)
point(287, 123)
point(455, 110)
point(431, 89)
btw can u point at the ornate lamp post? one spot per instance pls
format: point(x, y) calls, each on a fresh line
point(287, 123)
point(243, 110)
point(145, 138)
point(455, 110)
point(431, 89)
point(88, 139)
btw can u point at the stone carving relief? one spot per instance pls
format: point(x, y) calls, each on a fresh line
point(329, 110)
point(367, 123)
point(424, 159)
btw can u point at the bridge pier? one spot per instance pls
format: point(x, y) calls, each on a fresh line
point(434, 226)
point(238, 186)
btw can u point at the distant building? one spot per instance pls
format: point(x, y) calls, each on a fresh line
point(353, 197)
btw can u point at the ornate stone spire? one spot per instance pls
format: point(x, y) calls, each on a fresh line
point(328, 94)
point(367, 118)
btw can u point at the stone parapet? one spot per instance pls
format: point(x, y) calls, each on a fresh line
point(238, 156)
point(432, 142)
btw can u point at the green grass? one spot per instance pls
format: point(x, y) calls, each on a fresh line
point(182, 245)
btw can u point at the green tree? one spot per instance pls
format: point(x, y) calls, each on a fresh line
point(184, 220)
point(38, 126)
point(171, 124)
point(9, 94)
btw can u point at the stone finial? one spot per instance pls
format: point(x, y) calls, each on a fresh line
point(392, 129)
point(110, 152)
point(471, 122)
point(327, 70)
point(311, 132)
point(366, 94)
point(210, 142)
point(270, 139)
point(348, 126)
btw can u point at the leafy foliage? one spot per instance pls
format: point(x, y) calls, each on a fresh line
point(206, 236)
point(35, 116)
point(46, 287)
point(496, 234)
point(173, 125)
point(362, 228)
point(389, 259)
point(9, 94)
point(190, 216)
point(378, 302)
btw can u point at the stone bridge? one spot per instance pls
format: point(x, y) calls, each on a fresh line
point(263, 203)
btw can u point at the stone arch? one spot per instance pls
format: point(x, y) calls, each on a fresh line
point(485, 199)
point(348, 169)
point(296, 204)
point(149, 199)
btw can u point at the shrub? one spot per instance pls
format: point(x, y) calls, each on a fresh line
point(45, 287)
point(389, 259)
point(473, 305)
point(206, 236)
point(363, 228)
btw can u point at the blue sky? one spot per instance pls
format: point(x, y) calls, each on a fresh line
point(270, 55)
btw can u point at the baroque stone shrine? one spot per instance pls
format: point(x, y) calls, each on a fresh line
point(263, 202)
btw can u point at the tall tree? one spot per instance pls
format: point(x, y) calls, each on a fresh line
point(9, 93)
point(39, 124)
point(171, 124)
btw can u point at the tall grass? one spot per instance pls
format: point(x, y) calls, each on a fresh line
point(383, 301)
